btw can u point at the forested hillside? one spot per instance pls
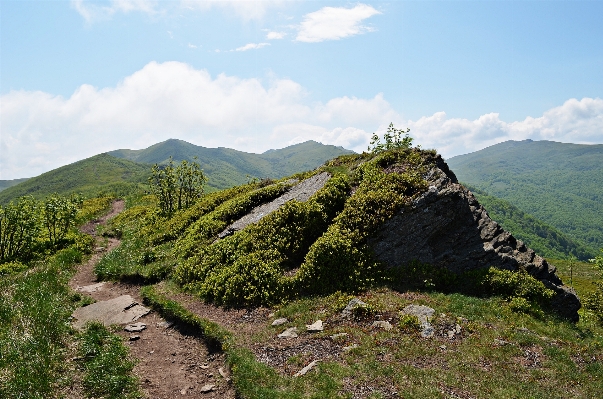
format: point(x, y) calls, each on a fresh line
point(560, 184)
point(227, 167)
point(4, 184)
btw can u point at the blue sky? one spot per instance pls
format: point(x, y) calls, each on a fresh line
point(81, 77)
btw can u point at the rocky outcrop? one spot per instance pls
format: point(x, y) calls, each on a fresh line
point(447, 227)
point(300, 192)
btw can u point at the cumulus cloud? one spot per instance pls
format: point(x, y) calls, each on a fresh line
point(576, 121)
point(275, 35)
point(334, 23)
point(41, 131)
point(92, 11)
point(252, 46)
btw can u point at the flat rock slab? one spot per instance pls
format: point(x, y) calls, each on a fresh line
point(136, 327)
point(300, 192)
point(315, 327)
point(121, 310)
point(291, 332)
point(90, 288)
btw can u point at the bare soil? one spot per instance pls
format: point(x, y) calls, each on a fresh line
point(172, 362)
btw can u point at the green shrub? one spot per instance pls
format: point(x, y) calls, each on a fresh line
point(409, 323)
point(11, 268)
point(510, 284)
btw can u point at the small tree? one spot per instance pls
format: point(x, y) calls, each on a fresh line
point(59, 216)
point(177, 187)
point(19, 227)
point(392, 139)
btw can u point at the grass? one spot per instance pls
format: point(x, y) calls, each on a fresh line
point(107, 369)
point(36, 337)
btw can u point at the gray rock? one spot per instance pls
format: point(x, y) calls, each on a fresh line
point(207, 388)
point(120, 310)
point(349, 348)
point(306, 369)
point(290, 332)
point(315, 327)
point(424, 314)
point(136, 327)
point(280, 321)
point(300, 192)
point(447, 227)
point(339, 336)
point(386, 325)
point(353, 304)
point(90, 288)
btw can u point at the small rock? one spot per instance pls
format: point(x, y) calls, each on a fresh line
point(99, 249)
point(90, 288)
point(443, 347)
point(136, 327)
point(223, 374)
point(427, 330)
point(306, 369)
point(183, 391)
point(349, 348)
point(291, 332)
point(207, 388)
point(280, 321)
point(204, 366)
point(339, 336)
point(165, 324)
point(457, 329)
point(500, 342)
point(134, 337)
point(315, 327)
point(353, 304)
point(450, 334)
point(386, 325)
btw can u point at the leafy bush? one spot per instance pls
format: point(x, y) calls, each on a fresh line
point(594, 301)
point(409, 323)
point(19, 228)
point(11, 268)
point(393, 140)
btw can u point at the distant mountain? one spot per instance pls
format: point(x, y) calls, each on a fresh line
point(121, 171)
point(90, 176)
point(4, 184)
point(559, 184)
point(227, 167)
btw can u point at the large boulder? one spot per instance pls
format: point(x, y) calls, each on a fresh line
point(447, 227)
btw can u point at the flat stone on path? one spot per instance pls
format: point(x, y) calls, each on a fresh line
point(353, 304)
point(121, 310)
point(207, 388)
point(90, 288)
point(136, 327)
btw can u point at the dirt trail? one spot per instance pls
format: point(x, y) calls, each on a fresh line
point(173, 362)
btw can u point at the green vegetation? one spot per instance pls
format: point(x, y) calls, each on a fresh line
point(391, 139)
point(107, 369)
point(99, 176)
point(559, 184)
point(36, 305)
point(4, 184)
point(546, 240)
point(177, 187)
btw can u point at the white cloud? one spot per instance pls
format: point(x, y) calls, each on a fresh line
point(252, 46)
point(93, 11)
point(576, 121)
point(245, 9)
point(40, 131)
point(334, 23)
point(275, 35)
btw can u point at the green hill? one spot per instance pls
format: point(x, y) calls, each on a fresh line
point(546, 240)
point(4, 184)
point(559, 184)
point(227, 167)
point(89, 176)
point(122, 170)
